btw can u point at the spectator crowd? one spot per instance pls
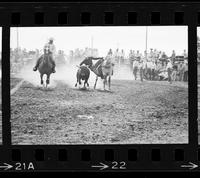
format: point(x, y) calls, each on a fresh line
point(149, 65)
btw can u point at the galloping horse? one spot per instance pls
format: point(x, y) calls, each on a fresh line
point(102, 68)
point(45, 67)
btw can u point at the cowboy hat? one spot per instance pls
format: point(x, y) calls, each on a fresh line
point(51, 39)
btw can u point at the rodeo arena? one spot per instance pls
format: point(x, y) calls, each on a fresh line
point(124, 97)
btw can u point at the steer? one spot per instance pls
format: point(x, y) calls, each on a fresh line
point(83, 73)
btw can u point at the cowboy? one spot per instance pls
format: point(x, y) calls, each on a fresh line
point(151, 54)
point(185, 54)
point(155, 56)
point(50, 49)
point(131, 57)
point(181, 70)
point(153, 69)
point(163, 58)
point(173, 56)
point(122, 57)
point(169, 68)
point(141, 67)
point(138, 55)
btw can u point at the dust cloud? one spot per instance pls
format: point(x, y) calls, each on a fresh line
point(122, 73)
point(66, 73)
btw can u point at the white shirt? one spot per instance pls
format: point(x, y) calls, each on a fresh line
point(135, 63)
point(169, 65)
point(50, 47)
point(141, 65)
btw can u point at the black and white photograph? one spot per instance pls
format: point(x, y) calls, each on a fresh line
point(99, 85)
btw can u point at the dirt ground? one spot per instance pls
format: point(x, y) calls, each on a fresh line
point(133, 112)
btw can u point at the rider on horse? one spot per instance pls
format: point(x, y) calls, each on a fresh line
point(50, 49)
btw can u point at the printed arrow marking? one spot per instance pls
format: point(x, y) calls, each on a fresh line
point(190, 166)
point(101, 166)
point(6, 166)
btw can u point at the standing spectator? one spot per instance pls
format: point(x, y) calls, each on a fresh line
point(153, 69)
point(169, 70)
point(185, 54)
point(163, 58)
point(122, 56)
point(131, 58)
point(141, 68)
point(116, 56)
point(155, 55)
point(159, 68)
point(135, 68)
point(138, 55)
point(174, 72)
point(181, 71)
point(159, 55)
point(151, 54)
point(144, 58)
point(173, 56)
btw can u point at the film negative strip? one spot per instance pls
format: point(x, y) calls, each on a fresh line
point(120, 92)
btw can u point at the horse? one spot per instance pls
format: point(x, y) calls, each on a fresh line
point(102, 68)
point(45, 67)
point(83, 73)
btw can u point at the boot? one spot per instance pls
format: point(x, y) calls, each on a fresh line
point(35, 68)
point(53, 70)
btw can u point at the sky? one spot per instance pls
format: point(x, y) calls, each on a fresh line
point(164, 38)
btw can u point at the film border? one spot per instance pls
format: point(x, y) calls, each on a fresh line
point(167, 11)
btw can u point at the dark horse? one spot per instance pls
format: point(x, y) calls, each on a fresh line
point(83, 73)
point(101, 69)
point(45, 67)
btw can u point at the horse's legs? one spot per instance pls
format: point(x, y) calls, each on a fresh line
point(95, 82)
point(135, 74)
point(86, 82)
point(48, 79)
point(41, 76)
point(109, 81)
point(79, 82)
point(76, 82)
point(104, 82)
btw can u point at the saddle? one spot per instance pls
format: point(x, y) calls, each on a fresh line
point(98, 68)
